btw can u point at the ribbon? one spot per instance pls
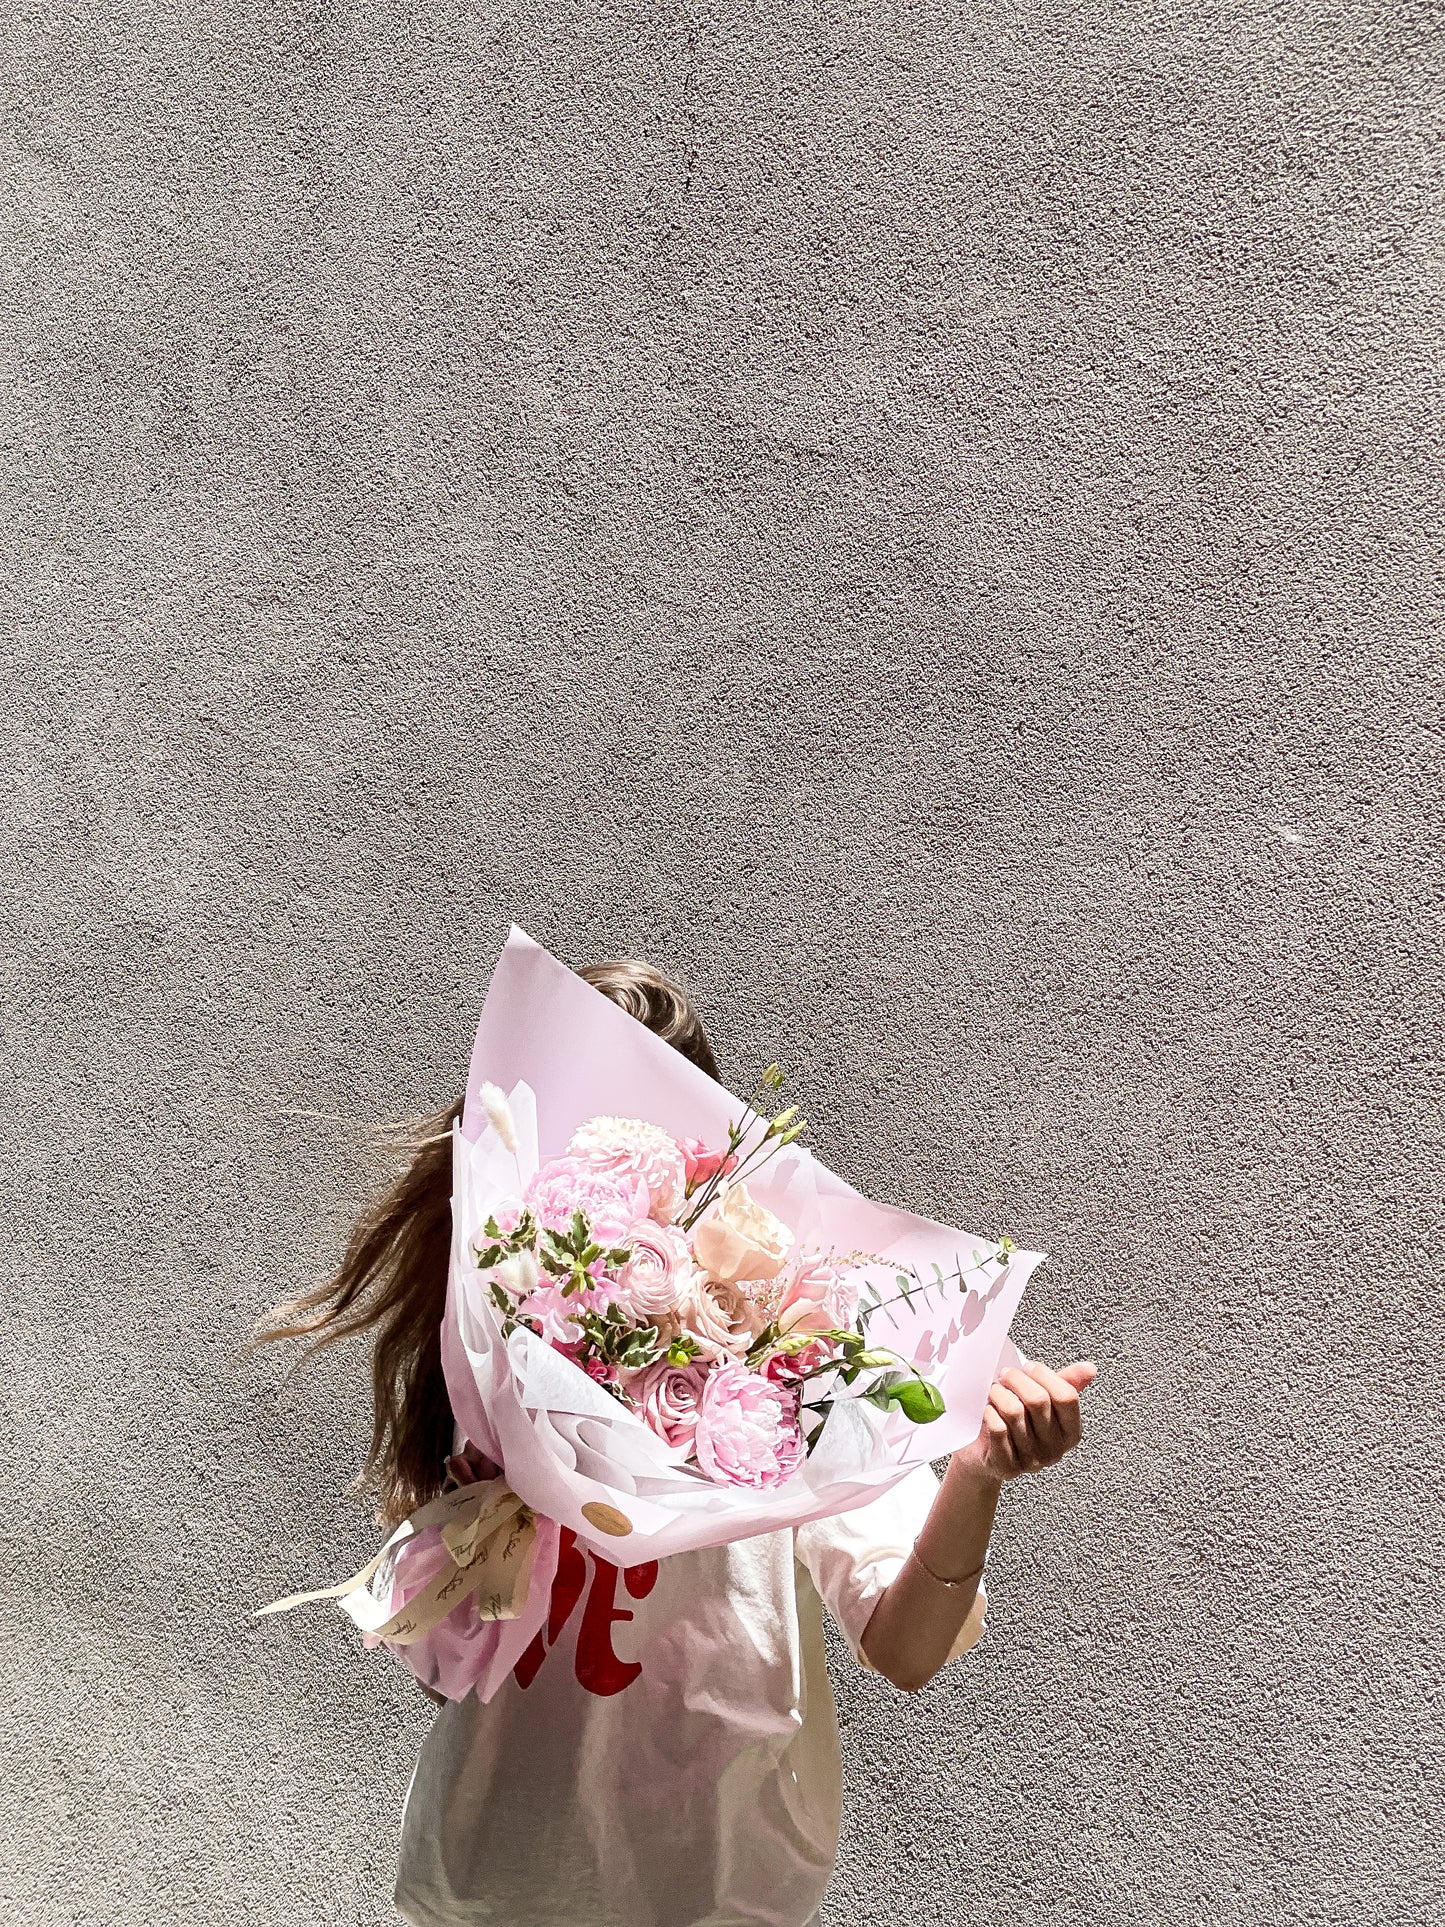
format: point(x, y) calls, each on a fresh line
point(488, 1540)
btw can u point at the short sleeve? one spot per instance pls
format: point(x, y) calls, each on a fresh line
point(854, 1557)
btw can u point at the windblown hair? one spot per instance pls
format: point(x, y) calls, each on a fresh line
point(392, 1280)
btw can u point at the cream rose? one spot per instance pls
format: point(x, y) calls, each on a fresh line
point(740, 1239)
point(720, 1316)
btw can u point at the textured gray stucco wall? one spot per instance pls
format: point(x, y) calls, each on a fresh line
point(923, 520)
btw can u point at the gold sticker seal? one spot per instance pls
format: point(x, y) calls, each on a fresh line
point(607, 1518)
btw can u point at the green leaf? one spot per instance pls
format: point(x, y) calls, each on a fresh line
point(881, 1391)
point(919, 1401)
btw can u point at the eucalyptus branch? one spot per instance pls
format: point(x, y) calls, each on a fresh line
point(957, 1276)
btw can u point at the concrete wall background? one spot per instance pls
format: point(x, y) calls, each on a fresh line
point(923, 520)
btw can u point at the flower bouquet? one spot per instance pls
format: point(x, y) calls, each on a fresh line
point(667, 1326)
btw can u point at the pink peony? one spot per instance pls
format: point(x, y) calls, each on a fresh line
point(649, 1285)
point(818, 1297)
point(666, 1396)
point(632, 1151)
point(702, 1165)
point(747, 1429)
point(612, 1200)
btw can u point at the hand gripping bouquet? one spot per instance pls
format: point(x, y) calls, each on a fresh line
point(667, 1326)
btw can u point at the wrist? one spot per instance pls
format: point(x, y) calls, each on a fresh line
point(965, 1470)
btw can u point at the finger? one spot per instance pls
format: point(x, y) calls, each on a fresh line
point(1000, 1444)
point(1039, 1406)
point(1081, 1374)
point(1012, 1411)
point(1068, 1413)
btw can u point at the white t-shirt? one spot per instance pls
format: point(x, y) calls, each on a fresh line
point(666, 1753)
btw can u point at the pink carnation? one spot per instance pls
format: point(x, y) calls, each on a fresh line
point(612, 1200)
point(747, 1429)
point(667, 1397)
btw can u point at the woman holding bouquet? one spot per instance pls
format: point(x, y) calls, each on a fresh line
point(665, 1752)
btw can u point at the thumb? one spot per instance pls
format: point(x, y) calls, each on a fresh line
point(1081, 1374)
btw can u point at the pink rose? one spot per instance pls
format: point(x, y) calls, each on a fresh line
point(818, 1297)
point(612, 1200)
point(634, 1152)
point(702, 1165)
point(666, 1396)
point(649, 1285)
point(747, 1429)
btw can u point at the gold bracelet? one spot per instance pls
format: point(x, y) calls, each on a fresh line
point(938, 1578)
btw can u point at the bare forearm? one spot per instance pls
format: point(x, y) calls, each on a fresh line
point(1032, 1419)
point(916, 1621)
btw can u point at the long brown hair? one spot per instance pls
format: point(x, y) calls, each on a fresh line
point(392, 1280)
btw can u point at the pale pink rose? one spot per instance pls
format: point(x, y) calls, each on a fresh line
point(721, 1317)
point(628, 1148)
point(818, 1297)
point(747, 1429)
point(650, 1284)
point(702, 1165)
point(666, 1396)
point(739, 1239)
point(611, 1200)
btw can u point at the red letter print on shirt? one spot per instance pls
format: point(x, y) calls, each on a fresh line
point(599, 1670)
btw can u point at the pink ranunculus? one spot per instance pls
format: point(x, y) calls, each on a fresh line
point(703, 1165)
point(630, 1150)
point(649, 1285)
point(818, 1297)
point(747, 1429)
point(666, 1396)
point(612, 1200)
